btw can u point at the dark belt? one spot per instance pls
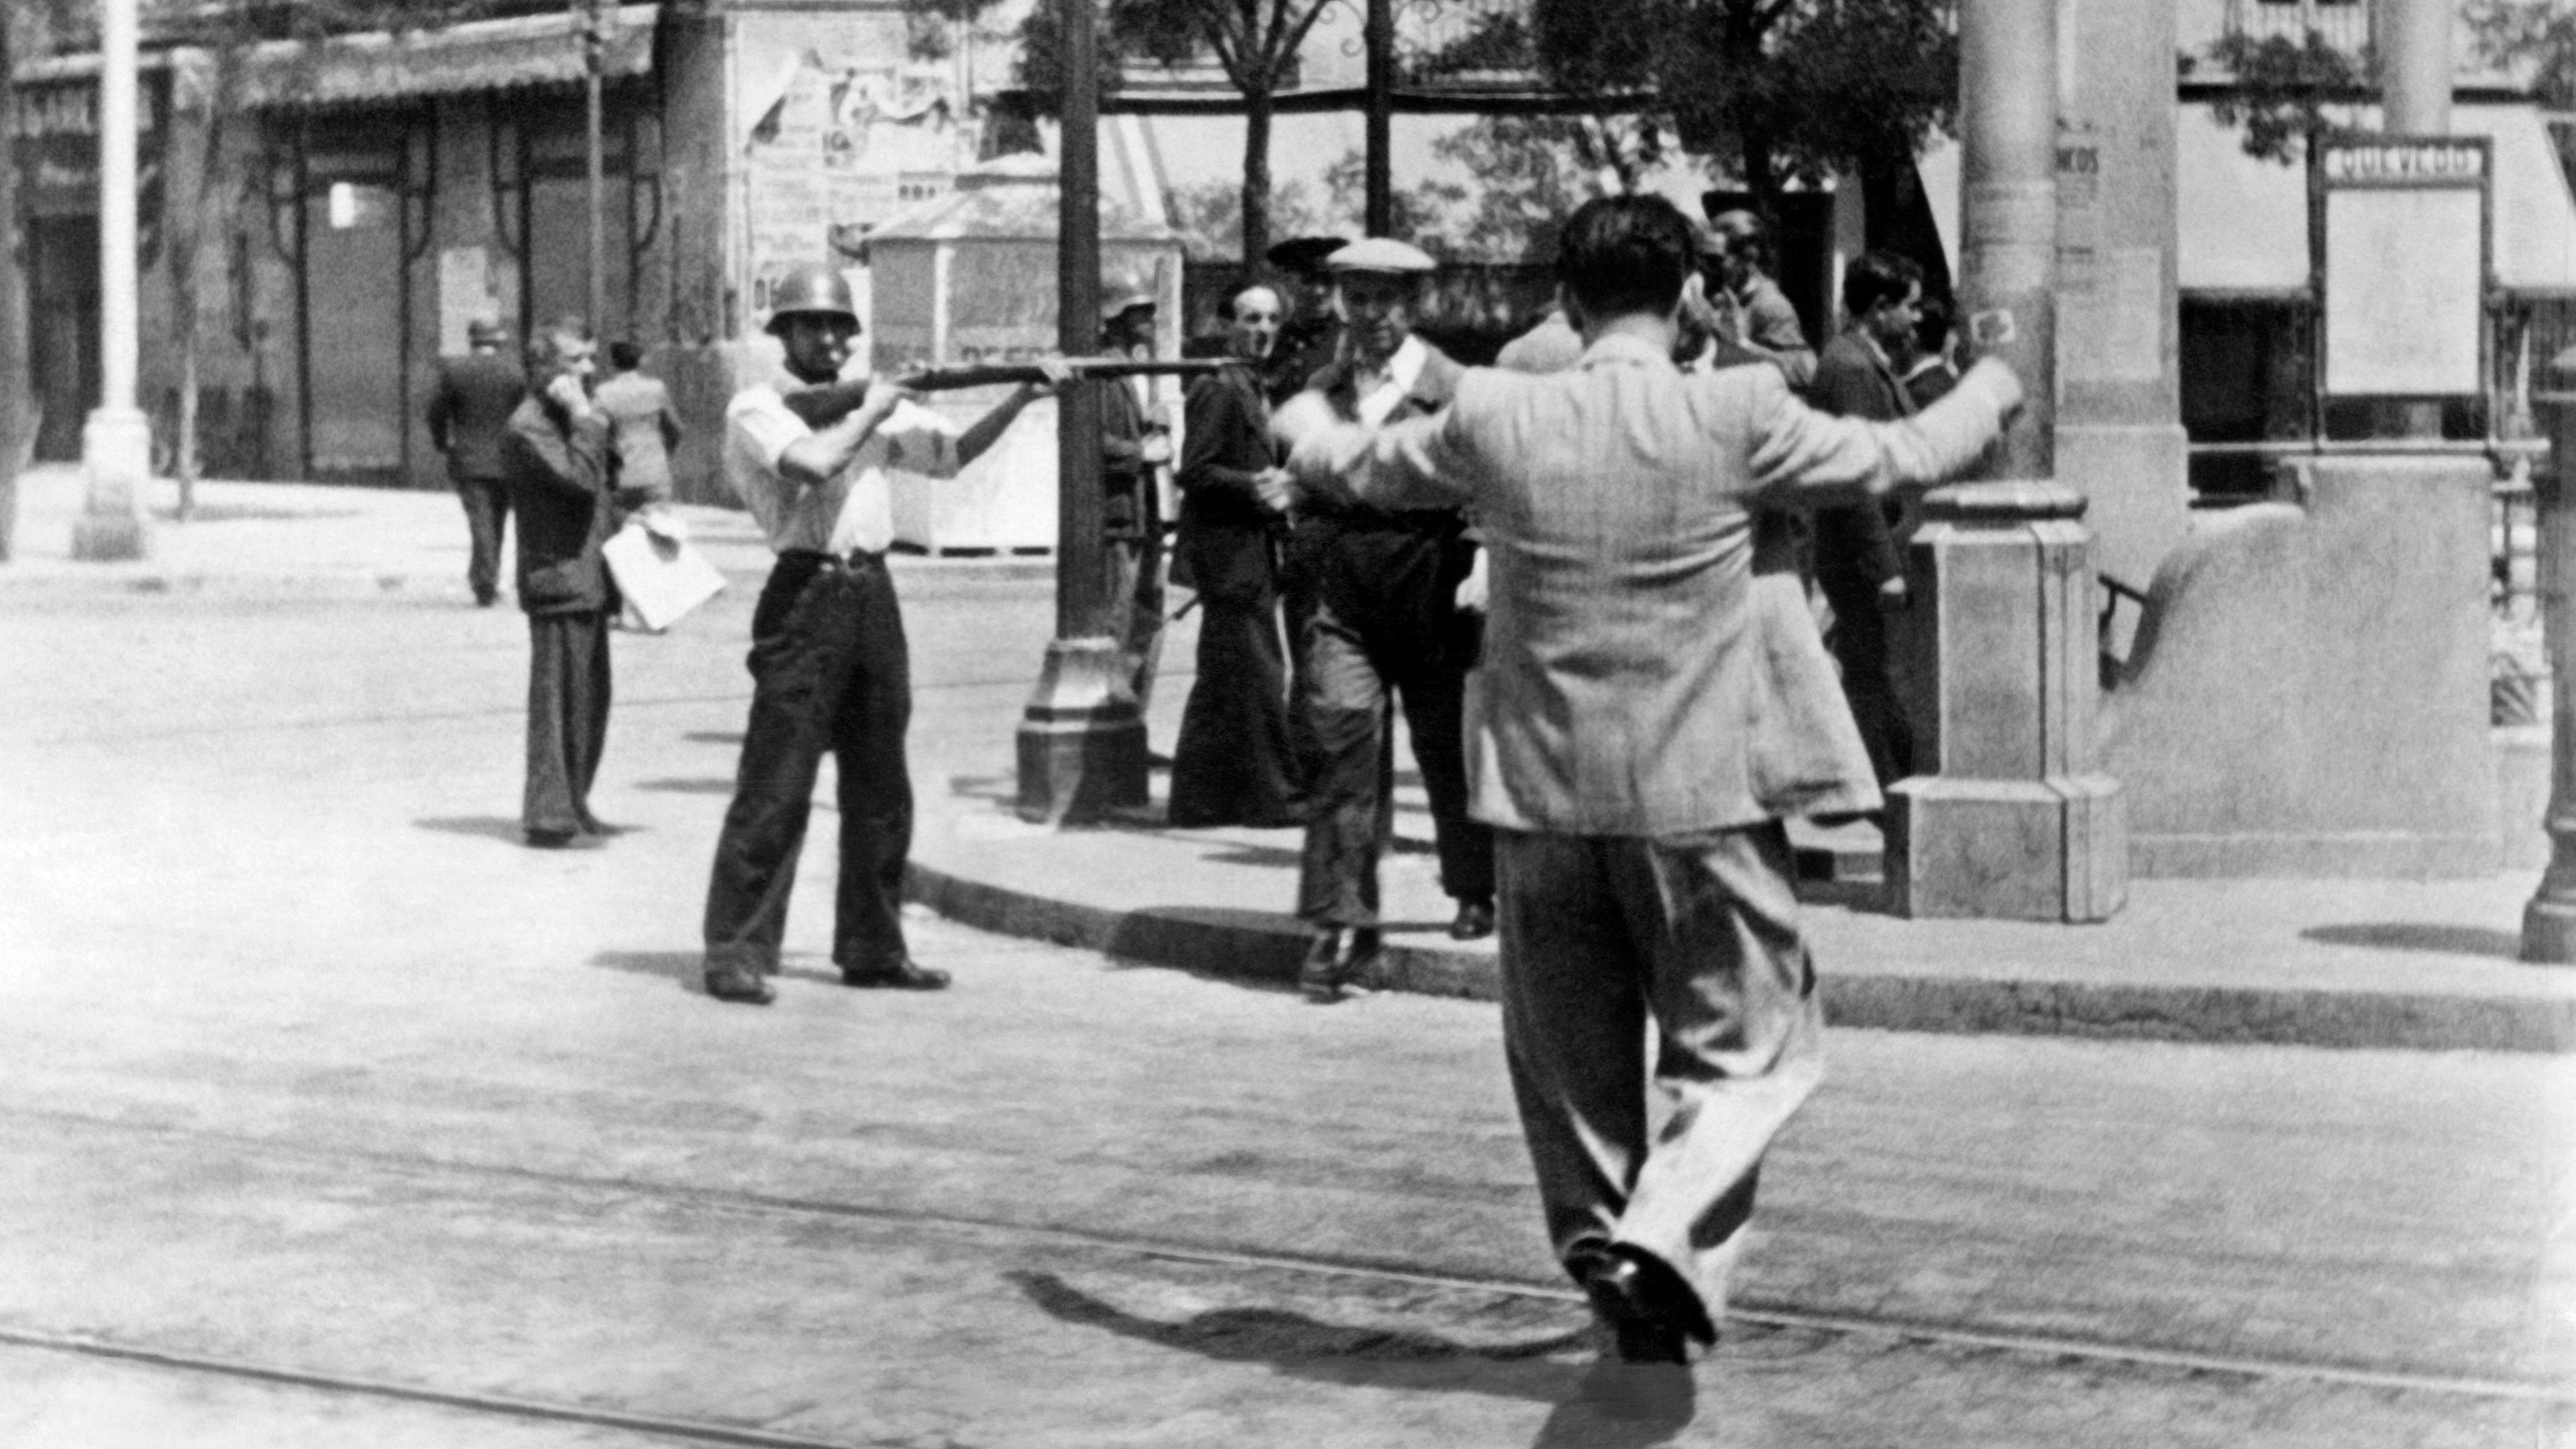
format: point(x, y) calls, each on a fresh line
point(808, 560)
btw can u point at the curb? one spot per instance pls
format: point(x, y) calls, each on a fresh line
point(1261, 946)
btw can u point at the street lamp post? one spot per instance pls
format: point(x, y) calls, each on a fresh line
point(116, 444)
point(2549, 922)
point(1082, 739)
point(1378, 38)
point(2009, 816)
point(594, 41)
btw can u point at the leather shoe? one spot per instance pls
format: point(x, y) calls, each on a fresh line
point(1648, 1311)
point(901, 974)
point(1475, 921)
point(729, 983)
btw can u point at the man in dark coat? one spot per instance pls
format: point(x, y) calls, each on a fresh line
point(555, 454)
point(1857, 562)
point(1233, 764)
point(469, 407)
point(1310, 331)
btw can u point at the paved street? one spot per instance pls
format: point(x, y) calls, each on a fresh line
point(358, 1121)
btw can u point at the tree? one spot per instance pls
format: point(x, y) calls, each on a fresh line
point(1255, 42)
point(25, 29)
point(2283, 89)
point(2537, 36)
point(1209, 217)
point(1778, 89)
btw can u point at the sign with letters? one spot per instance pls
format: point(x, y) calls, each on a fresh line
point(2406, 222)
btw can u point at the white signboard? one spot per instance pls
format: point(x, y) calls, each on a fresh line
point(2405, 266)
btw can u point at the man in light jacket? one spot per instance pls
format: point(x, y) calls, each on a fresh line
point(1634, 738)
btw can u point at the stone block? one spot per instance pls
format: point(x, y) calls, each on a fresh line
point(2029, 850)
point(2308, 690)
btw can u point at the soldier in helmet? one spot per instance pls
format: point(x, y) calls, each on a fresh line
point(469, 409)
point(828, 662)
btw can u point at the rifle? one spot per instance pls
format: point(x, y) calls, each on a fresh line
point(827, 403)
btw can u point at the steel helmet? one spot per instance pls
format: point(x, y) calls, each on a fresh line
point(815, 287)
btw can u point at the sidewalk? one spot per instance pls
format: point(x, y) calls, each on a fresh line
point(2421, 965)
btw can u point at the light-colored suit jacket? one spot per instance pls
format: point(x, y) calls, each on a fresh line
point(1628, 687)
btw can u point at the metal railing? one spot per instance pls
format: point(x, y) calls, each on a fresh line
point(2343, 24)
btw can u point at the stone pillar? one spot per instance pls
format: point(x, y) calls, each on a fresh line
point(116, 444)
point(2549, 922)
point(1082, 740)
point(2119, 375)
point(2413, 39)
point(2009, 818)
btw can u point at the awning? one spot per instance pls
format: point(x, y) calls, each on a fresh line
point(2243, 222)
point(479, 55)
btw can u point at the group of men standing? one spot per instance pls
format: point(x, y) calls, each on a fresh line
point(1579, 578)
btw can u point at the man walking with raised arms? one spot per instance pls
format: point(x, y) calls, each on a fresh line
point(1633, 745)
point(828, 662)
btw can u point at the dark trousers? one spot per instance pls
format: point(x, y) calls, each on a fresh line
point(830, 671)
point(1136, 579)
point(567, 720)
point(1397, 636)
point(1869, 685)
point(1233, 764)
point(1697, 937)
point(487, 513)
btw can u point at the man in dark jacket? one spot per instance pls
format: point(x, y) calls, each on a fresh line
point(1310, 331)
point(469, 406)
point(1233, 764)
point(1857, 562)
point(555, 454)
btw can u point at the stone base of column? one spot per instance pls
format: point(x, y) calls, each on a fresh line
point(1082, 741)
point(116, 454)
point(2025, 850)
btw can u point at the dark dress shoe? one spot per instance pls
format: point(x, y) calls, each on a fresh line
point(1475, 921)
point(552, 839)
point(901, 974)
point(737, 984)
point(1650, 1313)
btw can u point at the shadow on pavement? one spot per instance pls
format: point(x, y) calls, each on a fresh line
point(687, 967)
point(2420, 936)
point(497, 827)
point(686, 787)
point(1334, 1353)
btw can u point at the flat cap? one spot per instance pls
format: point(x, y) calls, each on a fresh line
point(1380, 254)
point(1304, 253)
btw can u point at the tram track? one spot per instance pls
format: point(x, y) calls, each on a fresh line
point(1001, 1231)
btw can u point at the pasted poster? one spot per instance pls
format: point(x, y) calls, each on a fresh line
point(841, 129)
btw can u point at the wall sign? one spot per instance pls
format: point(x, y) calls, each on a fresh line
point(2407, 223)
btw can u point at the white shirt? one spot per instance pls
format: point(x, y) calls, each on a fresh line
point(854, 509)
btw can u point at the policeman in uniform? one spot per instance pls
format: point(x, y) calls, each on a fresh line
point(1312, 335)
point(828, 662)
point(1383, 622)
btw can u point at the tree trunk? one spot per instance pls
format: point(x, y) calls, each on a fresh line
point(1762, 176)
point(17, 427)
point(1256, 175)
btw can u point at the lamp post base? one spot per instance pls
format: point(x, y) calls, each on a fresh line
point(1082, 742)
point(2549, 932)
point(116, 455)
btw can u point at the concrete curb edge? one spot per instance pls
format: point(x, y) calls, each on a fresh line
point(1255, 946)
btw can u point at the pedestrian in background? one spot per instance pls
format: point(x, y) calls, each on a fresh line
point(1133, 445)
point(1652, 956)
point(1935, 369)
point(1748, 309)
point(1233, 763)
point(1384, 626)
point(829, 665)
point(643, 425)
point(469, 409)
point(556, 456)
point(1858, 566)
point(1310, 330)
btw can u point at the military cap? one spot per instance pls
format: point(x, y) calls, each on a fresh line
point(1304, 253)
